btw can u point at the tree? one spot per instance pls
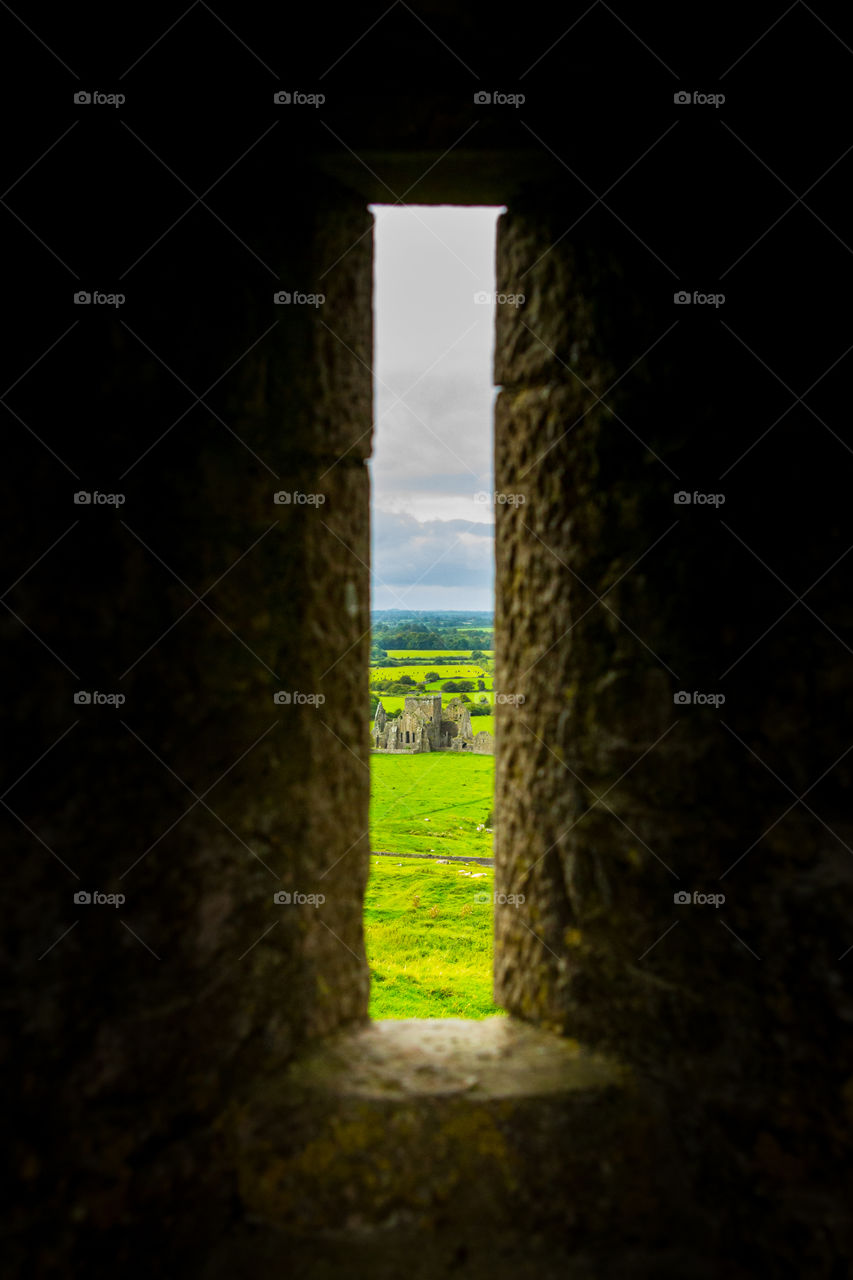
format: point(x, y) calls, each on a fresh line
point(481, 684)
point(432, 676)
point(406, 680)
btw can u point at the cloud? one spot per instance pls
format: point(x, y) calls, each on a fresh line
point(431, 553)
point(441, 429)
point(432, 543)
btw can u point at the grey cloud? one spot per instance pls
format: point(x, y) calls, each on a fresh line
point(447, 553)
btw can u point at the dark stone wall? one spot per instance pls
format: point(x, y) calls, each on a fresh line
point(611, 796)
point(197, 601)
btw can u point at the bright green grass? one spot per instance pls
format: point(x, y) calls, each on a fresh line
point(437, 686)
point(432, 802)
point(425, 965)
point(391, 702)
point(418, 670)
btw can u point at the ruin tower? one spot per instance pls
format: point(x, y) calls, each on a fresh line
point(456, 723)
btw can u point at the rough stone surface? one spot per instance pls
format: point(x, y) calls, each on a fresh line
point(612, 796)
point(405, 1128)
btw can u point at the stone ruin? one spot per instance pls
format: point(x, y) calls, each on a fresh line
point(427, 726)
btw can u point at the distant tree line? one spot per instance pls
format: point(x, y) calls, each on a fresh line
point(432, 634)
point(379, 655)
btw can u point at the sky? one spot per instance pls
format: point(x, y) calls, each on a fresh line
point(433, 537)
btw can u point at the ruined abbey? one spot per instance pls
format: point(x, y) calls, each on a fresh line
point(427, 726)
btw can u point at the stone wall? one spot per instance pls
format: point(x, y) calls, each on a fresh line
point(676, 893)
point(200, 797)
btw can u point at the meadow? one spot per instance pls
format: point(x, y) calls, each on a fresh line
point(429, 935)
point(419, 671)
point(429, 928)
point(432, 803)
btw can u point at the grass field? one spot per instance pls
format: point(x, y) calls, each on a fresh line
point(436, 686)
point(429, 935)
point(432, 803)
point(419, 670)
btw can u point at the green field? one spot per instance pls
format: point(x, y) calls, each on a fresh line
point(419, 670)
point(429, 934)
point(432, 803)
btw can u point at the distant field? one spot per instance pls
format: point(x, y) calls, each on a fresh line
point(391, 702)
point(418, 655)
point(432, 803)
point(429, 938)
point(419, 671)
